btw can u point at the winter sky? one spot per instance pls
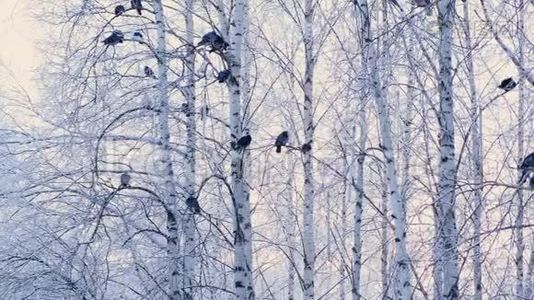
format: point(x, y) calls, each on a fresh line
point(19, 54)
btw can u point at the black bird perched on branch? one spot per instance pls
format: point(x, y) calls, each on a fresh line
point(137, 36)
point(125, 180)
point(394, 2)
point(215, 41)
point(137, 5)
point(148, 72)
point(281, 140)
point(192, 204)
point(424, 3)
point(244, 141)
point(527, 168)
point(508, 84)
point(116, 37)
point(119, 10)
point(222, 76)
point(306, 147)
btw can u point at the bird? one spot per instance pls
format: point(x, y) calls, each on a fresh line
point(137, 5)
point(192, 204)
point(507, 84)
point(215, 41)
point(115, 38)
point(222, 76)
point(527, 168)
point(424, 3)
point(421, 3)
point(148, 72)
point(306, 147)
point(125, 180)
point(137, 36)
point(186, 109)
point(281, 140)
point(119, 10)
point(395, 3)
point(244, 141)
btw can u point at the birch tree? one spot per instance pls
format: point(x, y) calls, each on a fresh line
point(169, 188)
point(402, 289)
point(446, 222)
point(519, 222)
point(189, 157)
point(476, 159)
point(243, 280)
point(308, 230)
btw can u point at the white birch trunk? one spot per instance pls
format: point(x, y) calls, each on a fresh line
point(358, 186)
point(169, 191)
point(343, 230)
point(189, 158)
point(349, 178)
point(384, 239)
point(243, 282)
point(246, 160)
point(519, 222)
point(406, 154)
point(308, 233)
point(407, 128)
point(447, 231)
point(476, 145)
point(402, 288)
point(356, 180)
point(291, 222)
point(529, 292)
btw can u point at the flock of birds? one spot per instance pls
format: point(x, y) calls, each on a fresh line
point(217, 44)
point(526, 167)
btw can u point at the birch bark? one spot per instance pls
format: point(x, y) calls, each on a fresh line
point(308, 234)
point(243, 282)
point(189, 157)
point(446, 222)
point(519, 222)
point(402, 288)
point(169, 190)
point(358, 186)
point(476, 159)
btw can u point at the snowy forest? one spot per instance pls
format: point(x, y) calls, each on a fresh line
point(287, 149)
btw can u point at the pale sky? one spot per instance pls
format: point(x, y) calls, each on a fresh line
point(19, 35)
